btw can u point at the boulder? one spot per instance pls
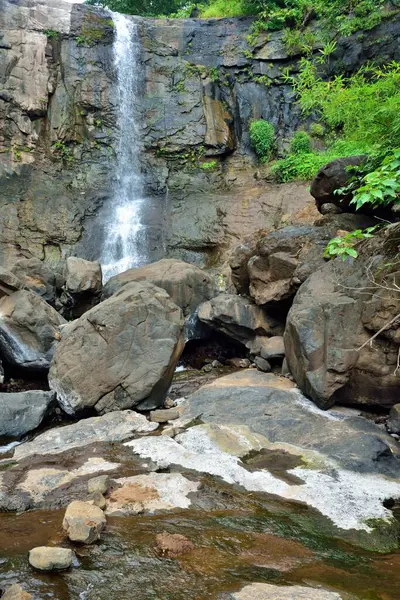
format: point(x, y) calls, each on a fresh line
point(331, 177)
point(394, 419)
point(266, 591)
point(23, 411)
point(16, 592)
point(38, 276)
point(99, 484)
point(83, 522)
point(262, 364)
point(186, 284)
point(82, 276)
point(29, 331)
point(273, 347)
point(120, 354)
point(280, 261)
point(164, 415)
point(46, 558)
point(112, 427)
point(334, 315)
point(237, 317)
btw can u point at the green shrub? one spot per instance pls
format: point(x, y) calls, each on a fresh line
point(228, 8)
point(301, 143)
point(302, 167)
point(262, 137)
point(343, 246)
point(317, 130)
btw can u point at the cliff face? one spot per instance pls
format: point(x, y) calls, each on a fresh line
point(200, 91)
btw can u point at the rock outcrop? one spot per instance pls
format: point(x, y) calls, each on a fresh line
point(271, 266)
point(120, 354)
point(202, 85)
point(186, 284)
point(342, 333)
point(29, 331)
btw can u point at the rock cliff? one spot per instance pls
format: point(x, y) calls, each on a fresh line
point(201, 87)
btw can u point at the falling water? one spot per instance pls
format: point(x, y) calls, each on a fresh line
point(125, 243)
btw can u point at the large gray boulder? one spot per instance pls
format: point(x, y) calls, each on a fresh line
point(335, 314)
point(120, 354)
point(274, 408)
point(238, 318)
point(23, 411)
point(29, 331)
point(187, 285)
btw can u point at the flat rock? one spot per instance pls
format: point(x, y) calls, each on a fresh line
point(83, 522)
point(29, 330)
point(265, 591)
point(112, 427)
point(23, 411)
point(149, 493)
point(45, 558)
point(120, 354)
point(163, 416)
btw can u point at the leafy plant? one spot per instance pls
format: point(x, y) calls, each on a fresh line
point(51, 34)
point(298, 42)
point(62, 151)
point(262, 137)
point(301, 143)
point(380, 187)
point(343, 246)
point(209, 166)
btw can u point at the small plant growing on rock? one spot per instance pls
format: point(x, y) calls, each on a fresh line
point(317, 130)
point(301, 143)
point(262, 137)
point(209, 166)
point(343, 246)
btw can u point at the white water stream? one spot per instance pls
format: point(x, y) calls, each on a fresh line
point(125, 236)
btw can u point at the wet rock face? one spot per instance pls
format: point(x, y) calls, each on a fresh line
point(120, 354)
point(336, 311)
point(23, 411)
point(200, 91)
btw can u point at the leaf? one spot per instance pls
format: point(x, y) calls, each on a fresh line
point(352, 252)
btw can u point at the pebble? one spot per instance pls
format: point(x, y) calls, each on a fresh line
point(163, 416)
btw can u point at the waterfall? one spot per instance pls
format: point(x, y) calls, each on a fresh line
point(125, 235)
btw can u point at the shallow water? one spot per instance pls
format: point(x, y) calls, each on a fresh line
point(253, 542)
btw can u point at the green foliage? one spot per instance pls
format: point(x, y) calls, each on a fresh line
point(343, 246)
point(304, 166)
point(317, 130)
point(381, 186)
point(301, 143)
point(298, 42)
point(51, 34)
point(262, 137)
point(365, 107)
point(62, 151)
point(147, 8)
point(228, 8)
point(209, 166)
